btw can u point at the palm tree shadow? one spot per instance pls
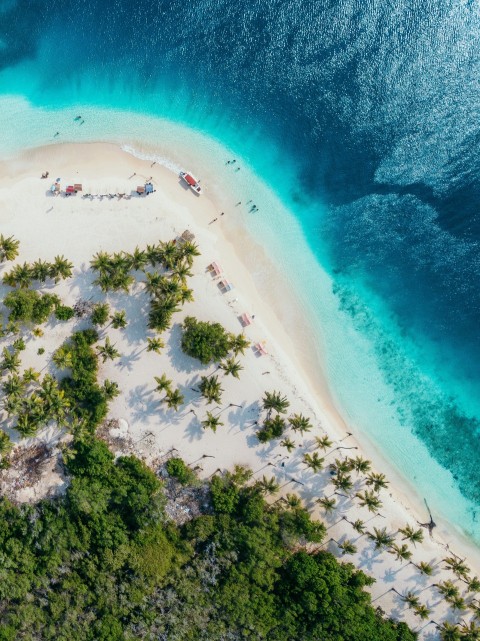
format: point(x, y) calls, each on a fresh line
point(141, 402)
point(241, 417)
point(368, 558)
point(126, 361)
point(194, 430)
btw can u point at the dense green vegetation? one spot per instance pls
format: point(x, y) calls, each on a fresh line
point(209, 342)
point(87, 398)
point(103, 563)
point(29, 306)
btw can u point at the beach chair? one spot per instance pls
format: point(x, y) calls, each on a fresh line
point(225, 286)
point(214, 269)
point(259, 349)
point(245, 320)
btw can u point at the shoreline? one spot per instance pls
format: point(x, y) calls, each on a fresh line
point(295, 354)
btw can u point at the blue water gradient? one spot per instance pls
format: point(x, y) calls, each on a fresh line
point(363, 119)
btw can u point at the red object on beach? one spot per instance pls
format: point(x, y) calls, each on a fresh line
point(190, 180)
point(70, 189)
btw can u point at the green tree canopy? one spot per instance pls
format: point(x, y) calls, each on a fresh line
point(204, 340)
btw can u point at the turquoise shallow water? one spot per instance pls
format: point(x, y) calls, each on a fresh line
point(355, 146)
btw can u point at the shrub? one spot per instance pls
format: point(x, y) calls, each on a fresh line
point(28, 306)
point(179, 470)
point(64, 313)
point(204, 340)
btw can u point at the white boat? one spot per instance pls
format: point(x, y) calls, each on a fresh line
point(191, 181)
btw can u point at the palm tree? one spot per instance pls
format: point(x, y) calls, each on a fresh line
point(5, 443)
point(411, 534)
point(272, 428)
point(347, 547)
point(138, 259)
point(300, 423)
point(110, 389)
point(448, 590)
point(101, 261)
point(381, 538)
point(449, 632)
point(360, 465)
point(328, 503)
point(470, 631)
point(211, 389)
point(473, 584)
point(153, 282)
point(26, 425)
point(425, 568)
point(40, 270)
point(211, 422)
point(181, 271)
point(343, 482)
point(62, 358)
point(274, 401)
point(100, 313)
point(378, 481)
point(293, 501)
point(21, 275)
point(13, 386)
point(288, 444)
point(168, 287)
point(188, 251)
point(8, 248)
point(323, 443)
point(358, 526)
point(185, 295)
point(341, 466)
point(10, 362)
point(61, 268)
point(369, 500)
point(458, 603)
point(268, 485)
point(164, 384)
point(238, 343)
point(422, 611)
point(155, 344)
point(411, 599)
point(231, 366)
point(30, 375)
point(313, 461)
point(151, 253)
point(174, 398)
point(108, 351)
point(401, 552)
point(458, 566)
point(18, 345)
point(168, 254)
point(119, 319)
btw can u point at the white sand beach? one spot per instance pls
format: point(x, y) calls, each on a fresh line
point(78, 227)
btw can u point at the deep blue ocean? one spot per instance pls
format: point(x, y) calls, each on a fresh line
point(372, 110)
